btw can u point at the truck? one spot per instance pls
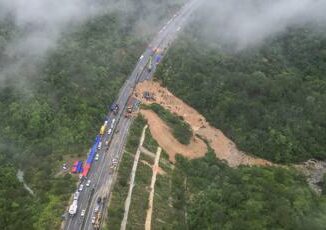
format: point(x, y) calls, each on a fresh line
point(150, 64)
point(130, 106)
point(74, 167)
point(102, 130)
point(97, 221)
point(149, 96)
point(73, 208)
point(97, 214)
point(76, 195)
point(114, 108)
point(79, 167)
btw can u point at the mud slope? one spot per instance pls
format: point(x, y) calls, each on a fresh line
point(224, 148)
point(163, 135)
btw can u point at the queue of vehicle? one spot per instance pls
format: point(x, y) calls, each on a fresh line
point(93, 155)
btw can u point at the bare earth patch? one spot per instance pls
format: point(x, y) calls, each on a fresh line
point(224, 148)
point(163, 135)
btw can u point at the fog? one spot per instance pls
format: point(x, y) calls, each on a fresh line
point(42, 21)
point(37, 25)
point(249, 22)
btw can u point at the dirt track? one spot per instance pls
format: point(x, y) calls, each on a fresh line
point(224, 148)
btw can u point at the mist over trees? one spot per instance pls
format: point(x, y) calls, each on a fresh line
point(248, 23)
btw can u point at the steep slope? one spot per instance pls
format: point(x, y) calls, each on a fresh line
point(269, 99)
point(224, 148)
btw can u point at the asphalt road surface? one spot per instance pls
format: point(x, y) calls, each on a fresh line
point(100, 175)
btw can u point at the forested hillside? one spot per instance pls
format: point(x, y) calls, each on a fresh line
point(269, 98)
point(215, 196)
point(55, 110)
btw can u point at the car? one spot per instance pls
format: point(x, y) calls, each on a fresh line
point(99, 199)
point(93, 219)
point(96, 208)
point(109, 131)
point(99, 145)
point(88, 183)
point(141, 57)
point(114, 161)
point(83, 212)
point(96, 157)
point(81, 186)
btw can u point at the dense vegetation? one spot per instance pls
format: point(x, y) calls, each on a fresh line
point(271, 99)
point(120, 191)
point(162, 210)
point(180, 129)
point(218, 197)
point(206, 192)
point(54, 113)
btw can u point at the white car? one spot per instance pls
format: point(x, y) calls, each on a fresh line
point(93, 219)
point(141, 57)
point(99, 145)
point(114, 161)
point(88, 183)
point(96, 209)
point(109, 131)
point(96, 157)
point(81, 186)
point(83, 212)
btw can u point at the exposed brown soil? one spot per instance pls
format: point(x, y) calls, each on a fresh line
point(224, 148)
point(163, 135)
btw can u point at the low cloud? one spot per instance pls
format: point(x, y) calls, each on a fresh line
point(248, 22)
point(38, 24)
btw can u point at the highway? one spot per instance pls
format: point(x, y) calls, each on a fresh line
point(102, 179)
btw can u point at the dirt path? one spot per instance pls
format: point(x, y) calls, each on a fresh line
point(132, 181)
point(152, 155)
point(148, 221)
point(224, 148)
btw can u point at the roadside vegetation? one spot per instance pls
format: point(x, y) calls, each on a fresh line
point(180, 129)
point(270, 100)
point(139, 198)
point(55, 114)
point(165, 215)
point(120, 189)
point(140, 195)
point(150, 143)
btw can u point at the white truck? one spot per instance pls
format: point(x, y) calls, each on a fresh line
point(73, 208)
point(76, 195)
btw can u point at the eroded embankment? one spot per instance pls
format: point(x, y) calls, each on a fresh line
point(224, 148)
